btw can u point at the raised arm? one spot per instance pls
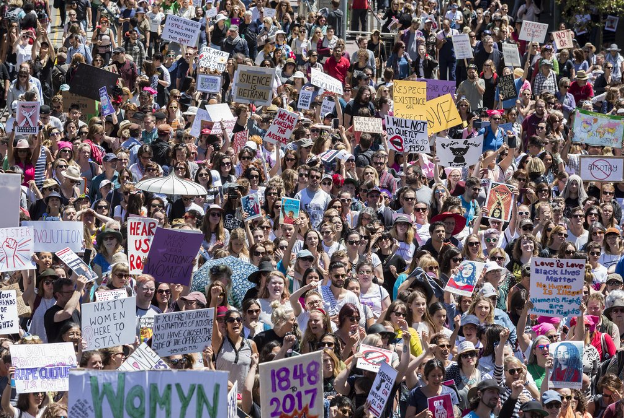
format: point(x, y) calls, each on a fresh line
point(294, 297)
point(73, 303)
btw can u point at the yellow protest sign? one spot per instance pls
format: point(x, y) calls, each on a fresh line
point(442, 114)
point(409, 99)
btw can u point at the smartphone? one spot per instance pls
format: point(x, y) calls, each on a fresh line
point(512, 141)
point(335, 123)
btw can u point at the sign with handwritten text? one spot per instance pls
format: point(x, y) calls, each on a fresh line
point(182, 332)
point(442, 114)
point(54, 236)
point(533, 31)
point(601, 168)
point(181, 30)
point(459, 152)
point(172, 254)
point(108, 323)
point(143, 358)
point(140, 234)
point(563, 39)
point(42, 367)
point(381, 390)
point(406, 135)
point(282, 127)
point(557, 286)
point(409, 99)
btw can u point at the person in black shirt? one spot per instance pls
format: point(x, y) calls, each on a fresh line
point(284, 329)
point(65, 309)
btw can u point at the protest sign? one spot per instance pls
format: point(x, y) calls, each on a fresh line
point(212, 12)
point(254, 85)
point(55, 236)
point(171, 255)
point(533, 31)
point(210, 118)
point(208, 83)
point(82, 84)
point(232, 398)
point(406, 135)
point(441, 406)
point(326, 82)
point(567, 370)
point(268, 12)
point(381, 390)
point(330, 155)
point(143, 358)
point(442, 114)
point(251, 206)
point(181, 30)
point(114, 294)
point(598, 129)
point(305, 99)
point(140, 234)
point(563, 39)
point(499, 201)
point(86, 105)
point(9, 318)
point(153, 393)
point(364, 124)
point(213, 59)
point(22, 308)
point(409, 99)
point(105, 103)
point(327, 107)
point(437, 88)
point(601, 168)
point(507, 87)
point(511, 56)
point(372, 357)
point(16, 249)
point(611, 23)
point(291, 386)
point(76, 263)
point(290, 210)
point(182, 332)
point(556, 286)
point(106, 323)
point(42, 367)
point(239, 140)
point(27, 118)
point(462, 47)
point(464, 281)
point(282, 127)
point(459, 152)
point(11, 189)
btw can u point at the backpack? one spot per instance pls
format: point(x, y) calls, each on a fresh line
point(59, 75)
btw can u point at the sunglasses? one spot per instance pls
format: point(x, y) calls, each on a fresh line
point(231, 320)
point(163, 291)
point(329, 344)
point(515, 371)
point(253, 311)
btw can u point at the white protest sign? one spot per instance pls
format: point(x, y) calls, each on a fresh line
point(459, 152)
point(16, 249)
point(181, 30)
point(109, 323)
point(269, 12)
point(143, 358)
point(158, 393)
point(10, 188)
point(305, 98)
point(140, 234)
point(327, 106)
point(325, 81)
point(254, 85)
point(563, 39)
point(213, 59)
point(232, 407)
point(208, 83)
point(372, 357)
point(406, 135)
point(533, 31)
point(76, 263)
point(210, 117)
point(114, 294)
point(278, 377)
point(462, 47)
point(611, 23)
point(364, 124)
point(182, 332)
point(282, 127)
point(27, 118)
point(381, 389)
point(9, 318)
point(42, 367)
point(567, 368)
point(556, 286)
point(55, 236)
point(511, 56)
point(601, 168)
point(212, 12)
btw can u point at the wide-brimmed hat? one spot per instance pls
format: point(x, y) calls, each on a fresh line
point(613, 47)
point(47, 183)
point(483, 386)
point(264, 267)
point(614, 300)
point(51, 195)
point(581, 75)
point(22, 144)
point(591, 46)
point(107, 233)
point(72, 173)
point(466, 346)
point(460, 221)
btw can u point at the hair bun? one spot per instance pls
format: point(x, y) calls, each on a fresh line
point(275, 304)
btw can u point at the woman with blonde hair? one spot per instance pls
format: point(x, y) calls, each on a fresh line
point(238, 244)
point(318, 325)
point(275, 290)
point(174, 114)
point(403, 232)
point(488, 74)
point(483, 309)
point(472, 248)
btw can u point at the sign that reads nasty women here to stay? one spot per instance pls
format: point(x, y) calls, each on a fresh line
point(254, 85)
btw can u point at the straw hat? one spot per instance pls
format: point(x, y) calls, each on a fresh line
point(72, 173)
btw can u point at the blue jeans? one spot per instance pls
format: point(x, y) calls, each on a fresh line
point(447, 69)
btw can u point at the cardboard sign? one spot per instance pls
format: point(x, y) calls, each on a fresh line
point(171, 255)
point(437, 88)
point(279, 377)
point(507, 87)
point(327, 107)
point(611, 23)
point(364, 124)
point(598, 129)
point(210, 117)
point(109, 323)
point(442, 114)
point(114, 294)
point(464, 282)
point(373, 357)
point(16, 249)
point(42, 367)
point(598, 168)
point(82, 83)
point(76, 263)
point(499, 201)
point(556, 286)
point(182, 332)
point(55, 236)
point(567, 371)
point(511, 56)
point(533, 31)
point(462, 47)
point(254, 85)
point(140, 234)
point(459, 152)
point(251, 206)
point(410, 98)
point(27, 118)
point(159, 393)
point(181, 30)
point(282, 127)
point(10, 187)
point(290, 210)
point(239, 140)
point(208, 83)
point(87, 105)
point(213, 59)
point(441, 406)
point(381, 390)
point(406, 135)
point(305, 99)
point(105, 103)
point(9, 318)
point(326, 82)
point(143, 358)
point(563, 39)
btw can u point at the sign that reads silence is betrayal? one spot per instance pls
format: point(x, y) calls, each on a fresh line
point(254, 85)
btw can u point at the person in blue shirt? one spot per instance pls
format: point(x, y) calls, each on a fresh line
point(399, 61)
point(469, 198)
point(493, 135)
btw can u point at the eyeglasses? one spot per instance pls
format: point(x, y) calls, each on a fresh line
point(175, 362)
point(554, 405)
point(401, 314)
point(259, 253)
point(527, 228)
point(491, 240)
point(473, 244)
point(231, 320)
point(253, 311)
point(493, 258)
point(515, 371)
point(608, 193)
point(163, 291)
point(49, 282)
point(457, 259)
point(594, 254)
point(310, 260)
point(553, 338)
point(303, 174)
point(354, 318)
point(329, 344)
point(569, 252)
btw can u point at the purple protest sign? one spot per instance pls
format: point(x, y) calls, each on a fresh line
point(170, 258)
point(437, 88)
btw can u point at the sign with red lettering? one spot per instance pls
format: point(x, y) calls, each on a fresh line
point(140, 234)
point(372, 357)
point(533, 31)
point(557, 286)
point(282, 127)
point(563, 39)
